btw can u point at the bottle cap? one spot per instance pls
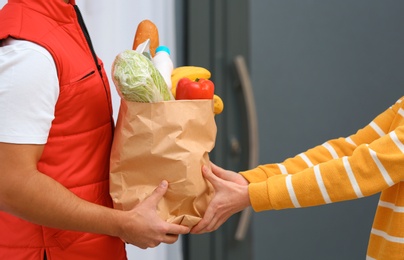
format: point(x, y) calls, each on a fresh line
point(163, 48)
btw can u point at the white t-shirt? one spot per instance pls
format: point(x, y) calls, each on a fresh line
point(29, 89)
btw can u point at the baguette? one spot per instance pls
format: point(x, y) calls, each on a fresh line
point(147, 30)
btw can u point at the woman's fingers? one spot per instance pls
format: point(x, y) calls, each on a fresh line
point(210, 176)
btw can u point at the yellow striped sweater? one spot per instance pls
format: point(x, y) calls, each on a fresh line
point(365, 163)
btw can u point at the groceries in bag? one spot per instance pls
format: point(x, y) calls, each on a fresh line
point(158, 137)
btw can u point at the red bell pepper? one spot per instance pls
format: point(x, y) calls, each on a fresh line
point(198, 89)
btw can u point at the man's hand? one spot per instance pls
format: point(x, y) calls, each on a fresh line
point(22, 194)
point(144, 228)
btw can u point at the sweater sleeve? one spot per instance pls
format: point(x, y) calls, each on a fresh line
point(341, 169)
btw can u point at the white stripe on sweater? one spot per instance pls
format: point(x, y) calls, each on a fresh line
point(351, 177)
point(401, 112)
point(395, 139)
point(381, 168)
point(291, 191)
point(282, 168)
point(377, 129)
point(306, 159)
point(321, 185)
point(391, 206)
point(349, 140)
point(387, 236)
point(370, 258)
point(331, 150)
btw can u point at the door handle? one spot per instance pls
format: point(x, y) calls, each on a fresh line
point(253, 145)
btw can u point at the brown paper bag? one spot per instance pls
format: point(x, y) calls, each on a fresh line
point(168, 140)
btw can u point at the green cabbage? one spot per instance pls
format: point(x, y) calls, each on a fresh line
point(137, 79)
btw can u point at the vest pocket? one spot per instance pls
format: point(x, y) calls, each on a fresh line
point(87, 75)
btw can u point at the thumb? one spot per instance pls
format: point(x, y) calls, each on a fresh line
point(208, 174)
point(218, 171)
point(159, 192)
point(214, 167)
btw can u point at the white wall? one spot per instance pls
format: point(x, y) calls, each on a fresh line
point(112, 26)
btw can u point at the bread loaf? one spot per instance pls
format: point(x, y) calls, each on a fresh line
point(147, 30)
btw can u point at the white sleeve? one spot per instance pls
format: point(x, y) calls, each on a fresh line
point(28, 92)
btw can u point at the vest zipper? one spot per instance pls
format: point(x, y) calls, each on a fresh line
point(94, 55)
point(87, 36)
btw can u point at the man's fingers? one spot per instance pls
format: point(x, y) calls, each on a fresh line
point(159, 192)
point(175, 229)
point(170, 239)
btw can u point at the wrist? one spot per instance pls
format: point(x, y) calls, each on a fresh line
point(247, 196)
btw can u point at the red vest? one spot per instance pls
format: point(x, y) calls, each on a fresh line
point(77, 151)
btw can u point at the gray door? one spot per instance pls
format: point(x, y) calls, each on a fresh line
point(212, 33)
point(320, 69)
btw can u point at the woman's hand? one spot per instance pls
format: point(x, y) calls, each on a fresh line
point(231, 196)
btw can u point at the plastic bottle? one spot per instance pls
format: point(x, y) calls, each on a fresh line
point(162, 61)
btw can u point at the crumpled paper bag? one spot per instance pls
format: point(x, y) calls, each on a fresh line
point(168, 140)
